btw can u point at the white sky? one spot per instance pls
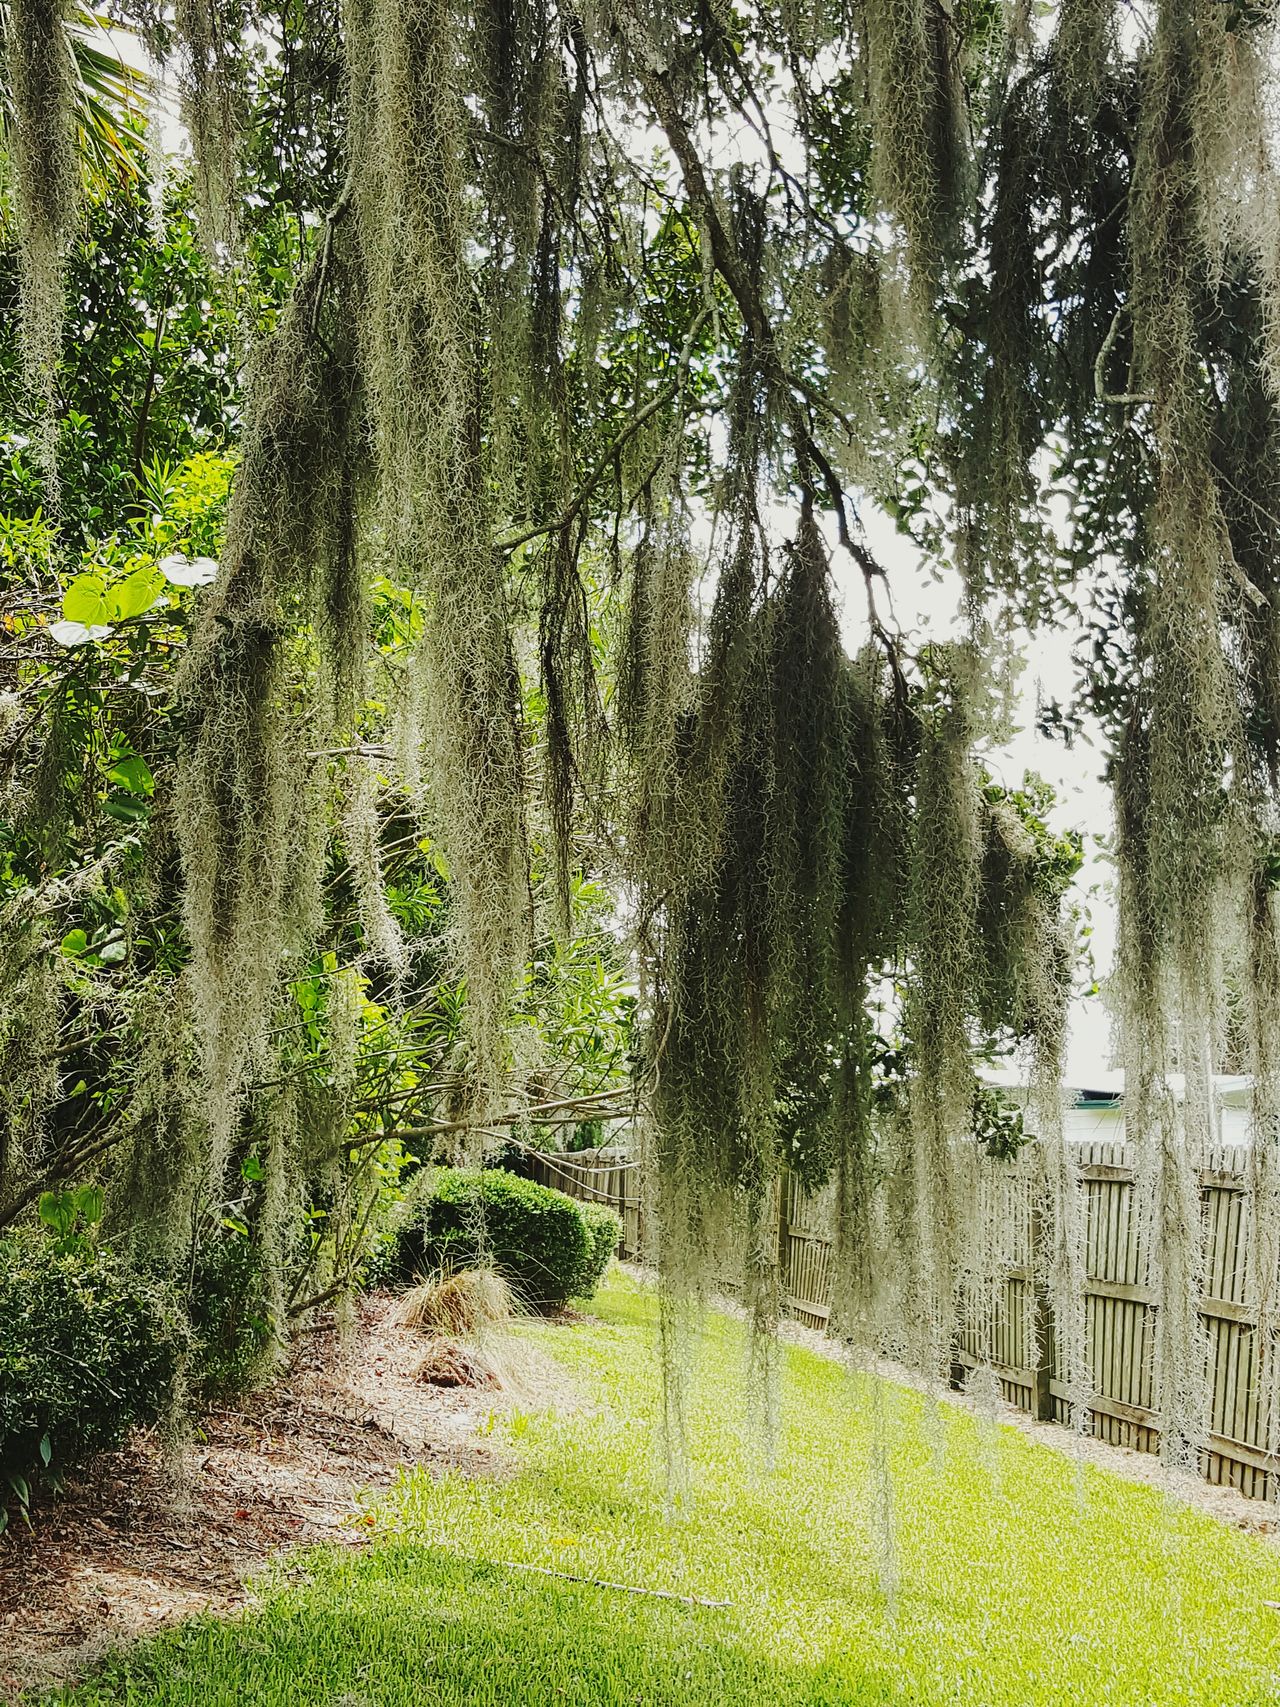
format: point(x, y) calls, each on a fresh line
point(930, 609)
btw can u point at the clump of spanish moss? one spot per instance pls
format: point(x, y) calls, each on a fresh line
point(210, 39)
point(248, 793)
point(362, 835)
point(46, 184)
point(29, 1016)
point(1176, 819)
point(943, 917)
point(1084, 42)
point(919, 128)
point(422, 361)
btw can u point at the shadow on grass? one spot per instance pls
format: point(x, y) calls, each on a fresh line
point(406, 1625)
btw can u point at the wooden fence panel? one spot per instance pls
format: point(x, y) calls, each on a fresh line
point(1001, 1325)
point(599, 1176)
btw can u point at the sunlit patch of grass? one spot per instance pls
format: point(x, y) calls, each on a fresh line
point(1019, 1582)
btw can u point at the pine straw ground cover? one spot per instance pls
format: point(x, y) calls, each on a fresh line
point(1021, 1578)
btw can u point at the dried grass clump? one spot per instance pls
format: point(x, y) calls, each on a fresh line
point(462, 1305)
point(450, 1364)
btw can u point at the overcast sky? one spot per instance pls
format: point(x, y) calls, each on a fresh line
point(931, 610)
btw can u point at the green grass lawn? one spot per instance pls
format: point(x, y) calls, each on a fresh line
point(1019, 1581)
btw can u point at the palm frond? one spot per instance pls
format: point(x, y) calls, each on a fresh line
point(111, 98)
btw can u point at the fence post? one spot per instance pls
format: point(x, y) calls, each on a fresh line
point(782, 1242)
point(1042, 1345)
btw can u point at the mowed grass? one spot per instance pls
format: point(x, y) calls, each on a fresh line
point(1021, 1580)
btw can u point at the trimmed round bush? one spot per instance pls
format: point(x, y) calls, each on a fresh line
point(605, 1230)
point(536, 1238)
point(88, 1348)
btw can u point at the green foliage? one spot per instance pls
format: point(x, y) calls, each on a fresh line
point(604, 1231)
point(88, 1348)
point(537, 1239)
point(227, 1305)
point(71, 1214)
point(998, 1125)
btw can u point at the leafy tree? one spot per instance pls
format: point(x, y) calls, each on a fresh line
point(573, 289)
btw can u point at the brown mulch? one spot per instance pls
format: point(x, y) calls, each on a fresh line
point(154, 1533)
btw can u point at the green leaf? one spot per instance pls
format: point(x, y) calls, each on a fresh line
point(46, 1450)
point(135, 594)
point(57, 1210)
point(133, 774)
point(75, 943)
point(252, 1169)
point(113, 953)
point(126, 811)
point(85, 600)
point(88, 1202)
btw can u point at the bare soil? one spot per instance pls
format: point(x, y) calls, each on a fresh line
point(159, 1531)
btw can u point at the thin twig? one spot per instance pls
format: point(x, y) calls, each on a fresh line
point(618, 1588)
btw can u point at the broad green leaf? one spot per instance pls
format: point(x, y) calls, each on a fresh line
point(113, 953)
point(75, 943)
point(133, 774)
point(85, 600)
point(57, 1210)
point(88, 1201)
point(124, 810)
point(135, 594)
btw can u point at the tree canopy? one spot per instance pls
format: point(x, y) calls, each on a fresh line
point(563, 351)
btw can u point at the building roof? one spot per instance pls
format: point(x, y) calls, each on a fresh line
point(1231, 1090)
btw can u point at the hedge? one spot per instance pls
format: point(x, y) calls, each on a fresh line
point(88, 1348)
point(604, 1230)
point(543, 1243)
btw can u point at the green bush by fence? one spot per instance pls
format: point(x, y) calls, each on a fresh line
point(542, 1242)
point(604, 1230)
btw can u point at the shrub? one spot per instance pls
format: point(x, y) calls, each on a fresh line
point(88, 1347)
point(226, 1302)
point(604, 1230)
point(536, 1238)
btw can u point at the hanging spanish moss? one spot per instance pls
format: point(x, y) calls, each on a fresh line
point(1175, 816)
point(28, 1036)
point(943, 915)
point(211, 38)
point(423, 363)
point(384, 945)
point(553, 374)
point(46, 187)
point(248, 791)
point(920, 166)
